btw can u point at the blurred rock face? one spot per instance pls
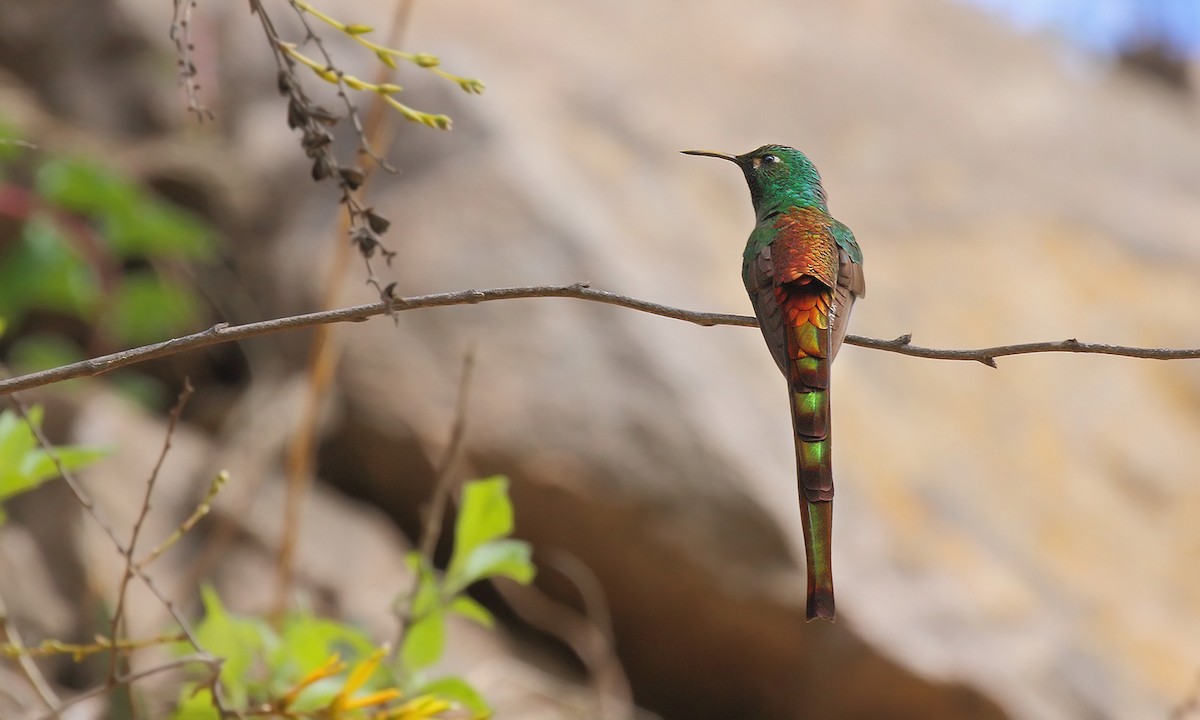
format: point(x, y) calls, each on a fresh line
point(1022, 530)
point(1024, 533)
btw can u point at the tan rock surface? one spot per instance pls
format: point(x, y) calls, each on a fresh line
point(1023, 530)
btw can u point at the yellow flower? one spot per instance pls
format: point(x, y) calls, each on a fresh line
point(332, 666)
point(362, 672)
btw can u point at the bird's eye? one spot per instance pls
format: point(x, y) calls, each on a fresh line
point(770, 159)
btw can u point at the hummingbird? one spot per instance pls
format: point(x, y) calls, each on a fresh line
point(803, 271)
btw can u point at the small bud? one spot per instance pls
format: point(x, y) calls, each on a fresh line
point(471, 85)
point(426, 60)
point(358, 29)
point(386, 59)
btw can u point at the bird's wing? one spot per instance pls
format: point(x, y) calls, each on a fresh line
point(758, 275)
point(851, 284)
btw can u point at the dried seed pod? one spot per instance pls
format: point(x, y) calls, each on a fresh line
point(321, 168)
point(296, 114)
point(353, 177)
point(366, 241)
point(377, 222)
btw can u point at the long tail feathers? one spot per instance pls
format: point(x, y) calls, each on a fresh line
point(807, 315)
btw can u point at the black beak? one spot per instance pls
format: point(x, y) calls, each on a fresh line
point(712, 153)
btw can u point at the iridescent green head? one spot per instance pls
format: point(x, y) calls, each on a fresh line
point(779, 177)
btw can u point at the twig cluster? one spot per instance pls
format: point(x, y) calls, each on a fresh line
point(316, 122)
point(181, 35)
point(118, 676)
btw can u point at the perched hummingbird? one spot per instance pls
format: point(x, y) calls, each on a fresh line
point(803, 271)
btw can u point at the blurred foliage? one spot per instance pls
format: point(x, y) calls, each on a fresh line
point(311, 667)
point(24, 464)
point(90, 244)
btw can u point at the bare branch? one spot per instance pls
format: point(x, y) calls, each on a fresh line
point(130, 566)
point(223, 333)
point(176, 664)
point(201, 510)
point(29, 668)
point(903, 345)
point(443, 484)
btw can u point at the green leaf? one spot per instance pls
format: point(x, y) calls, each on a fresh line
point(83, 187)
point(11, 146)
point(237, 640)
point(427, 593)
point(155, 229)
point(486, 514)
point(307, 641)
point(507, 558)
point(196, 705)
point(40, 466)
point(147, 308)
point(40, 351)
point(460, 691)
point(24, 465)
point(134, 222)
point(424, 642)
point(468, 608)
point(43, 270)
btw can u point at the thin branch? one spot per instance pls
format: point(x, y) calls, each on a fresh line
point(443, 481)
point(442, 486)
point(223, 333)
point(903, 346)
point(51, 648)
point(29, 668)
point(202, 658)
point(130, 566)
point(201, 510)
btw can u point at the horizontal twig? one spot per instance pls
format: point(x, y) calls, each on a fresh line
point(223, 333)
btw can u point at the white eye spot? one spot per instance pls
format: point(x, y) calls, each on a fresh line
point(770, 159)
